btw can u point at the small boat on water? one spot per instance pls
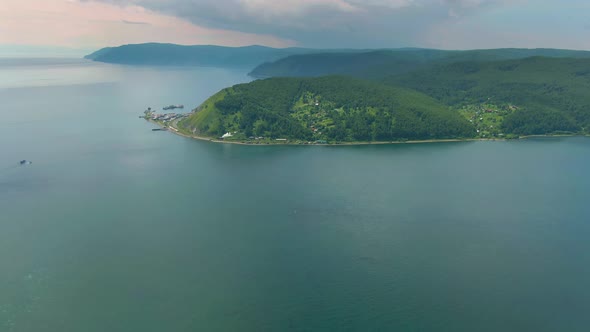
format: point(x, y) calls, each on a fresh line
point(159, 129)
point(25, 162)
point(171, 107)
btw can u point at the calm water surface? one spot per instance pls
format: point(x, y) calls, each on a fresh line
point(117, 228)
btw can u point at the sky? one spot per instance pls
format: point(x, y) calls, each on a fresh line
point(77, 26)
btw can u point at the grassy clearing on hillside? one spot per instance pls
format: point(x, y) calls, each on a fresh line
point(488, 118)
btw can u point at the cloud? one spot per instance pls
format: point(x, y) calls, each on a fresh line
point(456, 24)
point(324, 23)
point(106, 23)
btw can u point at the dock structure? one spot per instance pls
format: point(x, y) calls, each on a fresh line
point(166, 117)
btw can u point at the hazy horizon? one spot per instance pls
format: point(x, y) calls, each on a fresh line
point(39, 51)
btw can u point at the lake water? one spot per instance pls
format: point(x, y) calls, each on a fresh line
point(118, 228)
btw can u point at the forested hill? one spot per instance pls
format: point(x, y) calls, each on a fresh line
point(551, 94)
point(376, 64)
point(198, 55)
point(334, 109)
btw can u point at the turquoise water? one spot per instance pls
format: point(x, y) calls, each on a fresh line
point(118, 228)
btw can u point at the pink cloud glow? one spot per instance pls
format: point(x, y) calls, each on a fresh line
point(92, 24)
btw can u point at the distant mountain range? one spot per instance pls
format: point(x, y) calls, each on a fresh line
point(306, 62)
point(380, 63)
point(198, 55)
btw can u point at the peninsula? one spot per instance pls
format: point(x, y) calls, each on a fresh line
point(462, 100)
point(319, 111)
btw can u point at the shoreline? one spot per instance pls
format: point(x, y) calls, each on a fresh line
point(174, 130)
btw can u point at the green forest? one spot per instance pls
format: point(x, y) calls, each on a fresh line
point(331, 109)
point(550, 94)
point(376, 64)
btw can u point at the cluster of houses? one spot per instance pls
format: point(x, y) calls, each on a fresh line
point(164, 117)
